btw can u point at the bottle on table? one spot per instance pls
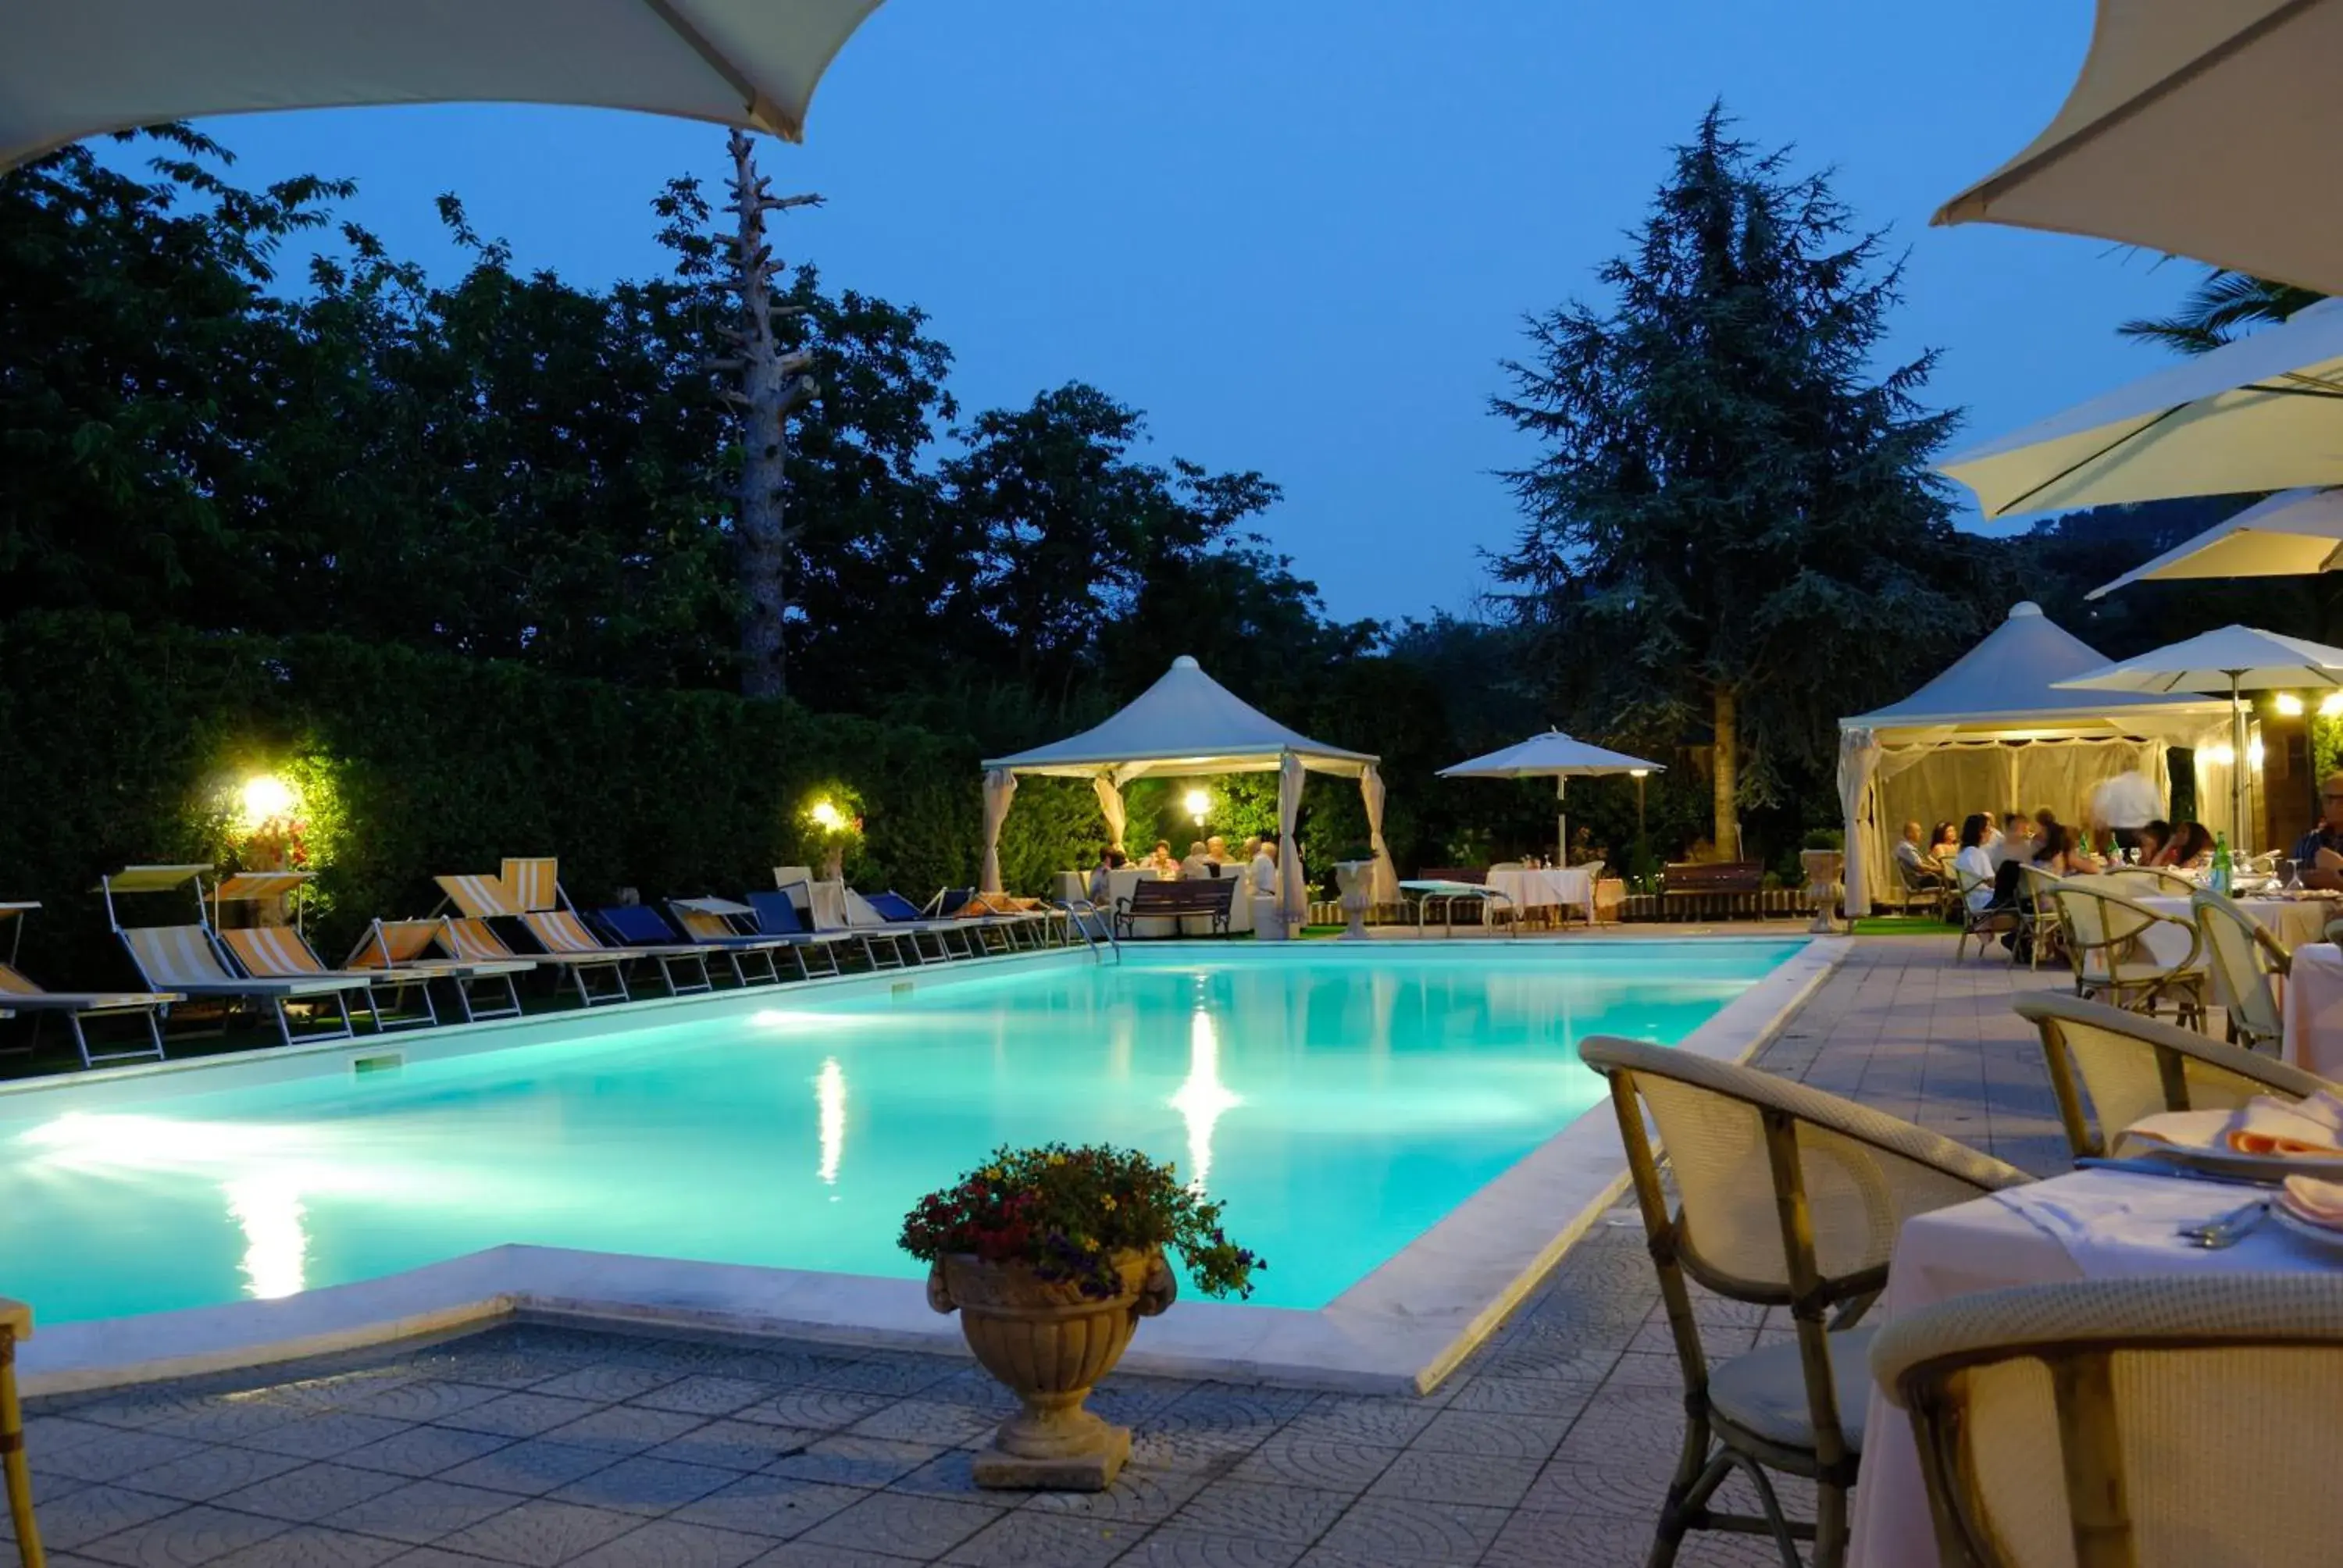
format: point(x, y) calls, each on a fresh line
point(2224, 868)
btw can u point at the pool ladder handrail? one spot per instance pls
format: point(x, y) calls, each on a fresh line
point(1085, 918)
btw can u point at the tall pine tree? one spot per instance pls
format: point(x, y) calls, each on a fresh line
point(1730, 525)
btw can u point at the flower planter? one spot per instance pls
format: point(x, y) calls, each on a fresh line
point(1356, 880)
point(1823, 868)
point(1049, 1346)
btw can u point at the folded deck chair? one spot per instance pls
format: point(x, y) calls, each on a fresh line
point(522, 888)
point(393, 1001)
point(640, 930)
point(187, 959)
point(828, 907)
point(999, 925)
point(405, 946)
point(777, 915)
point(19, 994)
point(953, 938)
point(716, 924)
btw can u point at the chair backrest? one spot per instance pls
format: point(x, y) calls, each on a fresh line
point(560, 931)
point(952, 900)
point(389, 942)
point(479, 898)
point(1505, 866)
point(894, 906)
point(174, 956)
point(534, 882)
point(637, 923)
point(2246, 962)
point(2128, 1423)
point(274, 952)
point(2157, 881)
point(14, 983)
point(703, 925)
point(2037, 884)
point(2110, 1067)
point(1918, 878)
point(777, 914)
point(1594, 868)
point(2102, 925)
point(1970, 881)
point(473, 939)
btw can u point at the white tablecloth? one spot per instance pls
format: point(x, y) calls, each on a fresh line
point(2089, 1225)
point(1120, 884)
point(2314, 1010)
point(1564, 887)
point(2293, 921)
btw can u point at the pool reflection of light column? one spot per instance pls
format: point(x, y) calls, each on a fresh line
point(1203, 1096)
point(829, 1101)
point(275, 1246)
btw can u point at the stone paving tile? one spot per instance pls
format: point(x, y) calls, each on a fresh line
point(549, 1443)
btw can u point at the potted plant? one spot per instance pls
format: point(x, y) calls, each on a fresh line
point(1051, 1255)
point(1823, 860)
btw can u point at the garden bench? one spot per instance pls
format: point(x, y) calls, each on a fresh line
point(1704, 892)
point(1206, 898)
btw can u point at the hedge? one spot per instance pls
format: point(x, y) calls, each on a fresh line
point(127, 744)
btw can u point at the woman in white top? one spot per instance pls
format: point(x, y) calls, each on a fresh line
point(1975, 863)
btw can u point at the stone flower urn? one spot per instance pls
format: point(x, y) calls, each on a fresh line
point(1356, 880)
point(1049, 1346)
point(1822, 868)
point(833, 863)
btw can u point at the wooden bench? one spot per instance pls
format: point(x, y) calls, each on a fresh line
point(1705, 892)
point(1196, 898)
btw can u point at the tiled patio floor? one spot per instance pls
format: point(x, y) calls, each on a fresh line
point(543, 1444)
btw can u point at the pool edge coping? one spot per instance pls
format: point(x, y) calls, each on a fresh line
point(1405, 1326)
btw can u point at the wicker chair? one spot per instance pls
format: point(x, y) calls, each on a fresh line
point(2155, 881)
point(1789, 1197)
point(1979, 924)
point(2246, 963)
point(2126, 1067)
point(2128, 1423)
point(16, 1324)
point(2038, 913)
point(2105, 933)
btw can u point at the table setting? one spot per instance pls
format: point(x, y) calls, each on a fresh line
point(2257, 1188)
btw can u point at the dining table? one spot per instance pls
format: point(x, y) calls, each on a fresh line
point(1547, 887)
point(2314, 1010)
point(2085, 1225)
point(2294, 920)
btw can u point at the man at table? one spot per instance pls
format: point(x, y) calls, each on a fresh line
point(2319, 854)
point(1199, 862)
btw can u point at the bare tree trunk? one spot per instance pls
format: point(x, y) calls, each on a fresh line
point(772, 384)
point(1725, 775)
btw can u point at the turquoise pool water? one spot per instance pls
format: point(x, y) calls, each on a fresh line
point(1342, 1101)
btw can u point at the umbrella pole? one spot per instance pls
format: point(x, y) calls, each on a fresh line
point(2237, 789)
point(1561, 822)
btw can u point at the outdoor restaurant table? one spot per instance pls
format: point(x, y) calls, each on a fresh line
point(1552, 886)
point(2314, 1010)
point(1120, 882)
point(2087, 1225)
point(2293, 921)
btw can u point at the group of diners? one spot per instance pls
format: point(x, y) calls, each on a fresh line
point(1991, 850)
point(1206, 858)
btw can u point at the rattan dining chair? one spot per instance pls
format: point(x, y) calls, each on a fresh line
point(1980, 923)
point(2037, 926)
point(2108, 935)
point(2155, 881)
point(2110, 1067)
point(2128, 1423)
point(16, 1324)
point(1787, 1197)
point(2246, 964)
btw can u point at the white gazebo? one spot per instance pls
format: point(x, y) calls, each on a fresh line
point(1995, 732)
point(1188, 723)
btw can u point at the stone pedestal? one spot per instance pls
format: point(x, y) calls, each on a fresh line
point(1268, 919)
point(1356, 880)
point(1822, 868)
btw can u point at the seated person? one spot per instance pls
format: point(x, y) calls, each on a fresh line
point(1101, 885)
point(1942, 844)
point(1199, 862)
point(2017, 842)
point(1216, 849)
point(1160, 858)
point(1912, 860)
point(2319, 854)
point(1975, 860)
point(2190, 849)
point(2061, 855)
point(1263, 866)
point(2152, 841)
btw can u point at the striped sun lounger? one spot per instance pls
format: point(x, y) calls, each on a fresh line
point(523, 888)
point(471, 939)
point(405, 947)
point(827, 908)
point(752, 959)
point(565, 931)
point(187, 959)
point(20, 994)
point(283, 953)
point(777, 915)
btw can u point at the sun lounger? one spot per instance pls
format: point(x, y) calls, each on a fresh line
point(998, 926)
point(283, 953)
point(638, 929)
point(777, 916)
point(523, 889)
point(20, 994)
point(952, 938)
point(187, 959)
point(1447, 893)
point(405, 947)
point(823, 908)
point(715, 923)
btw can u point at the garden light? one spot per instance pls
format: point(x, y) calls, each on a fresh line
point(263, 799)
point(2289, 705)
point(2330, 705)
point(827, 816)
point(1198, 803)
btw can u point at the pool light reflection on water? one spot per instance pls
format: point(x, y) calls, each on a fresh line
point(1340, 1101)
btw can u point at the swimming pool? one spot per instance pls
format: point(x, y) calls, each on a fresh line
point(1342, 1099)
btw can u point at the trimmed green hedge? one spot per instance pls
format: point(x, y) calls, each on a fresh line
point(127, 744)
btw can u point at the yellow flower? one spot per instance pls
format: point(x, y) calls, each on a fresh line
point(1107, 1203)
point(1057, 1160)
point(992, 1173)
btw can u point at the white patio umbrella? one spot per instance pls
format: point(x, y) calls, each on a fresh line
point(2209, 128)
point(2264, 413)
point(2294, 534)
point(1557, 754)
point(2236, 659)
point(75, 68)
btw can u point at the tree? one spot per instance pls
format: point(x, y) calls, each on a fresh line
point(2217, 309)
point(1730, 523)
point(775, 381)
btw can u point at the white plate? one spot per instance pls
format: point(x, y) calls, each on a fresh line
point(2320, 1236)
point(2252, 1167)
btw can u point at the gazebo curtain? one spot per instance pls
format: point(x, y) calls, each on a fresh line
point(1110, 799)
point(1384, 880)
point(1289, 854)
point(999, 787)
point(1859, 764)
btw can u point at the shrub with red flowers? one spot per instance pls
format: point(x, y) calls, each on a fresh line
point(1067, 1212)
point(277, 844)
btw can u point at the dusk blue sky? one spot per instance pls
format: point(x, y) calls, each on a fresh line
point(1300, 234)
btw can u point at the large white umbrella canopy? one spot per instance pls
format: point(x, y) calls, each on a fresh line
point(2236, 659)
point(2264, 413)
point(2295, 533)
point(2209, 128)
point(75, 68)
point(1555, 754)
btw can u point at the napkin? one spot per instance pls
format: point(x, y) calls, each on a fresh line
point(2317, 1202)
point(2265, 1125)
